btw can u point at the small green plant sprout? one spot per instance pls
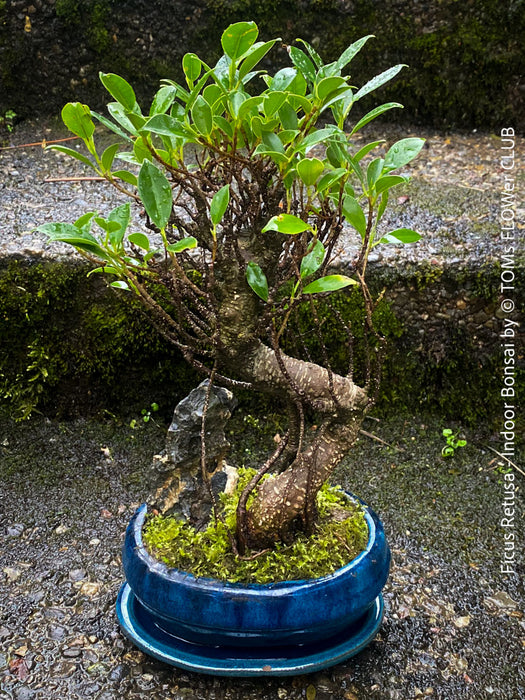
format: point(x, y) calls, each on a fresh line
point(146, 415)
point(8, 119)
point(453, 442)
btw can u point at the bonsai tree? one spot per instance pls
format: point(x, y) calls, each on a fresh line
point(245, 194)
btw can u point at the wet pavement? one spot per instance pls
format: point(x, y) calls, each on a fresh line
point(454, 626)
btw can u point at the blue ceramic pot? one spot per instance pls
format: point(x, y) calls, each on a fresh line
point(213, 613)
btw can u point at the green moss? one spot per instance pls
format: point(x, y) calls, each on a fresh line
point(89, 15)
point(208, 553)
point(68, 346)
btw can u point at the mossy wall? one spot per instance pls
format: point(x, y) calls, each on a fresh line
point(465, 58)
point(69, 345)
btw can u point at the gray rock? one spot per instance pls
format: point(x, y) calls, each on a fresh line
point(179, 487)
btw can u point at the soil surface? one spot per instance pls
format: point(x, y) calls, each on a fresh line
point(454, 626)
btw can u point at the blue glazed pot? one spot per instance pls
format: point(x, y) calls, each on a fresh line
point(202, 611)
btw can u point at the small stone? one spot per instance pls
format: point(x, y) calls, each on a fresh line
point(77, 575)
point(94, 542)
point(71, 652)
point(15, 530)
point(500, 601)
point(460, 622)
point(62, 669)
point(90, 588)
point(61, 530)
point(12, 574)
point(21, 651)
point(56, 632)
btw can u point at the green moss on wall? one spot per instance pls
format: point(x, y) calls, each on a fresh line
point(465, 59)
point(69, 346)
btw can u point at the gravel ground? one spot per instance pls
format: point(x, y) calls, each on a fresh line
point(454, 626)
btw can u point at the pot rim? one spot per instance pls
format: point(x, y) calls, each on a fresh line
point(171, 573)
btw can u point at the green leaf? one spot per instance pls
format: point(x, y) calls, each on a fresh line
point(184, 244)
point(238, 38)
point(155, 193)
point(202, 116)
point(388, 181)
point(330, 179)
point(309, 170)
point(403, 152)
point(313, 260)
point(354, 215)
point(69, 233)
point(349, 53)
point(58, 230)
point(71, 152)
point(317, 136)
point(108, 156)
point(192, 67)
point(126, 176)
point(106, 225)
point(327, 86)
point(373, 172)
point(212, 94)
point(77, 118)
point(118, 113)
point(120, 284)
point(303, 63)
point(122, 216)
point(375, 113)
point(166, 126)
point(257, 280)
point(272, 141)
point(362, 152)
point(141, 150)
point(110, 125)
point(379, 80)
point(273, 102)
point(163, 100)
point(84, 221)
point(119, 89)
point(401, 235)
point(313, 53)
point(219, 204)
point(288, 116)
point(140, 240)
point(283, 79)
point(255, 54)
point(331, 283)
point(287, 223)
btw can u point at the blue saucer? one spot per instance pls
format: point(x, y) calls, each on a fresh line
point(137, 625)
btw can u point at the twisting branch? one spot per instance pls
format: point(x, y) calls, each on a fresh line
point(248, 489)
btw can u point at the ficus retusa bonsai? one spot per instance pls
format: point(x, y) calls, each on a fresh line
point(246, 191)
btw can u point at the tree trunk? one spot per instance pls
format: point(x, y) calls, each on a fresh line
point(285, 503)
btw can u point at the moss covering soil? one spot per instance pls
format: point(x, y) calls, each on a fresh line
point(341, 534)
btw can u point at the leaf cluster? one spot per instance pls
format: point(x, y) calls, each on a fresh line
point(216, 158)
